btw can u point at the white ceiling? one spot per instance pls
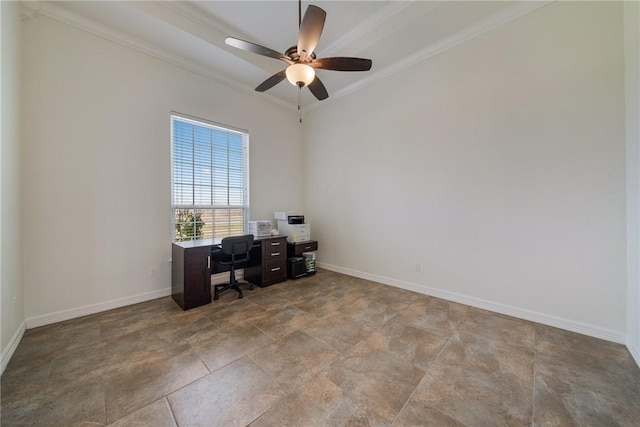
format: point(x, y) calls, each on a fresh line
point(393, 34)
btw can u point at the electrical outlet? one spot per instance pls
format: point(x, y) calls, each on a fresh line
point(416, 267)
point(153, 272)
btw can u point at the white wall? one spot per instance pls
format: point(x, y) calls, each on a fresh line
point(498, 165)
point(11, 293)
point(96, 172)
point(632, 98)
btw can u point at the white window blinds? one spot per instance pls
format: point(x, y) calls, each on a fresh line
point(209, 179)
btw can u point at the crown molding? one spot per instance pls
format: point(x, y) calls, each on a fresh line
point(369, 26)
point(61, 14)
point(496, 20)
point(201, 18)
point(28, 12)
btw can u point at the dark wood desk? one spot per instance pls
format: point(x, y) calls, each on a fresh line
point(192, 267)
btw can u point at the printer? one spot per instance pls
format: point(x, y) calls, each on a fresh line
point(292, 225)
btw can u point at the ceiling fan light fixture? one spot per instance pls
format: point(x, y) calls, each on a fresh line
point(300, 74)
point(300, 58)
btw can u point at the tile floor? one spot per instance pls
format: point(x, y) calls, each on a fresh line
point(328, 350)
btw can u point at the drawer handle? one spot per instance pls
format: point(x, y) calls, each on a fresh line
point(275, 253)
point(275, 243)
point(275, 269)
point(307, 247)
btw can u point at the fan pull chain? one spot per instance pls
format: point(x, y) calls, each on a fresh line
point(299, 102)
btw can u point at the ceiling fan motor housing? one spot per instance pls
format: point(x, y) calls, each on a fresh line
point(292, 53)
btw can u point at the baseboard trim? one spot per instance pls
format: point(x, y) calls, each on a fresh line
point(635, 352)
point(59, 316)
point(72, 313)
point(533, 316)
point(7, 353)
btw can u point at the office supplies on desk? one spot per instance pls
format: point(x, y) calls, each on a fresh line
point(260, 228)
point(310, 261)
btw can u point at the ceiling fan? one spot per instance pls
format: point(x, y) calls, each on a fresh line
point(302, 58)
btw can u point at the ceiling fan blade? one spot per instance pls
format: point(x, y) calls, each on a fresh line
point(256, 48)
point(271, 81)
point(310, 31)
point(318, 90)
point(342, 64)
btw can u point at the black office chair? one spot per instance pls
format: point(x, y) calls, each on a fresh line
point(232, 252)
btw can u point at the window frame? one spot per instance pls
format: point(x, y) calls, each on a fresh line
point(212, 207)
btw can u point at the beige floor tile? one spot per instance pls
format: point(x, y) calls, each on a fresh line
point(416, 413)
point(319, 403)
point(340, 331)
point(418, 346)
point(379, 379)
point(294, 359)
point(324, 350)
point(322, 305)
point(480, 382)
point(280, 322)
point(224, 345)
point(562, 403)
point(232, 396)
point(87, 363)
point(613, 377)
point(223, 314)
point(22, 383)
point(504, 329)
point(130, 387)
point(556, 342)
point(76, 404)
point(124, 350)
point(156, 414)
point(275, 298)
point(434, 314)
point(394, 297)
point(132, 322)
point(372, 311)
point(169, 334)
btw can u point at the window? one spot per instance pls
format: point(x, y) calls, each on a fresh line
point(209, 164)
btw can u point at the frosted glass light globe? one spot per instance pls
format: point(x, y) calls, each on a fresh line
point(300, 74)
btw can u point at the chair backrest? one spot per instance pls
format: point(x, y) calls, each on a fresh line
point(237, 245)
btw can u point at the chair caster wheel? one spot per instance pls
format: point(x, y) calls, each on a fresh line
point(240, 296)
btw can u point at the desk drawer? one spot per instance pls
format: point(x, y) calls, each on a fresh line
point(275, 254)
point(275, 244)
point(268, 263)
point(275, 270)
point(296, 249)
